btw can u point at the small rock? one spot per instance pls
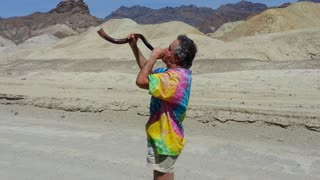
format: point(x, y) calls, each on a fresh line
point(205, 121)
point(280, 140)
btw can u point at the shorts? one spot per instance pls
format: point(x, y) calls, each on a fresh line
point(158, 162)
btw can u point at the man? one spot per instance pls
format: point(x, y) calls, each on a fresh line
point(170, 90)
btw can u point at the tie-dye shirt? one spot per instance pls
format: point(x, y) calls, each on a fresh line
point(170, 90)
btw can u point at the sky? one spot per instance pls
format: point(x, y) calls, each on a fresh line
point(102, 8)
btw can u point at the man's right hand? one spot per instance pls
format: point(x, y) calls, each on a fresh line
point(133, 40)
point(141, 60)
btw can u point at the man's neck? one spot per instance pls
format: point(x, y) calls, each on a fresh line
point(172, 66)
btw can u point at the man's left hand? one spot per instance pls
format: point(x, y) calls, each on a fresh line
point(158, 53)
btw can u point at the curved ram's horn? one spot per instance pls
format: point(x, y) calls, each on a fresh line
point(123, 40)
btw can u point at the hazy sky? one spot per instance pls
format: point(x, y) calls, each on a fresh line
point(102, 8)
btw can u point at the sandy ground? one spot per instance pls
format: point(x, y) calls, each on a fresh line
point(280, 93)
point(71, 110)
point(84, 119)
point(38, 143)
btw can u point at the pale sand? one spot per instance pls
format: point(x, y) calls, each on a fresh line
point(225, 29)
point(58, 30)
point(38, 143)
point(284, 94)
point(71, 109)
point(84, 119)
point(38, 41)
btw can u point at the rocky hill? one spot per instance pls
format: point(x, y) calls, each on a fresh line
point(5, 42)
point(299, 15)
point(204, 19)
point(72, 13)
point(284, 5)
point(316, 1)
point(240, 11)
point(300, 44)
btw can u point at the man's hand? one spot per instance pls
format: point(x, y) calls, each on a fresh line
point(133, 40)
point(157, 53)
point(141, 60)
point(142, 80)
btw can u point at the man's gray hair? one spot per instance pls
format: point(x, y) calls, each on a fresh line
point(186, 51)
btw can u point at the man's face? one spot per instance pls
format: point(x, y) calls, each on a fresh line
point(169, 53)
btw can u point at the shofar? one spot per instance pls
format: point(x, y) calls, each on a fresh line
point(123, 40)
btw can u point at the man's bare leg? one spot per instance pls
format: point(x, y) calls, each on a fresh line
point(162, 176)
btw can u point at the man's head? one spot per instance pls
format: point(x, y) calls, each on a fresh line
point(181, 52)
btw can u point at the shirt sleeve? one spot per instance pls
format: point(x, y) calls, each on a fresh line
point(164, 85)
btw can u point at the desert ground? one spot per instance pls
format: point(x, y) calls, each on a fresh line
point(84, 119)
point(70, 108)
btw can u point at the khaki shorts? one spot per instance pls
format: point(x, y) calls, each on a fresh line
point(158, 162)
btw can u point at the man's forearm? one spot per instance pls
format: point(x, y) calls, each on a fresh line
point(140, 59)
point(142, 78)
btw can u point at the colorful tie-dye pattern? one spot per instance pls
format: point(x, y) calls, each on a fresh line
point(170, 90)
